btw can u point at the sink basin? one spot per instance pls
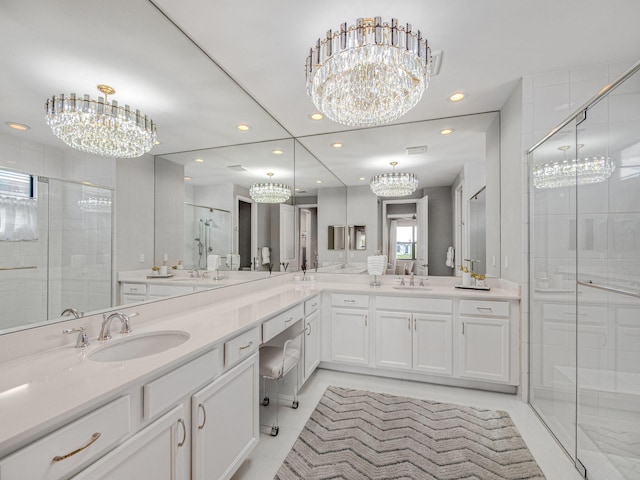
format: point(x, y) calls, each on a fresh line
point(138, 346)
point(409, 287)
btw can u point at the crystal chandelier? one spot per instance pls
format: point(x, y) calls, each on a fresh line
point(270, 192)
point(100, 127)
point(394, 184)
point(567, 173)
point(368, 74)
point(95, 204)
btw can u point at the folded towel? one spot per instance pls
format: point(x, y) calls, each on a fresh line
point(233, 261)
point(450, 262)
point(376, 264)
point(266, 256)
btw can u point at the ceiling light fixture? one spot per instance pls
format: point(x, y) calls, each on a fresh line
point(277, 151)
point(568, 173)
point(270, 192)
point(100, 127)
point(447, 131)
point(337, 145)
point(316, 116)
point(199, 160)
point(188, 178)
point(456, 97)
point(18, 126)
point(394, 184)
point(368, 74)
point(243, 127)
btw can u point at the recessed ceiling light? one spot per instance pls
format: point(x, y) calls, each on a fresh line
point(18, 126)
point(336, 145)
point(456, 97)
point(157, 142)
point(447, 131)
point(199, 160)
point(277, 151)
point(362, 178)
point(318, 181)
point(188, 178)
point(243, 127)
point(316, 116)
point(297, 189)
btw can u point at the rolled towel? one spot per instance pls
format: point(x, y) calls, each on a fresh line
point(213, 262)
point(266, 256)
point(450, 262)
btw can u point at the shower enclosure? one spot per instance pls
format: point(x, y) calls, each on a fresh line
point(207, 232)
point(584, 282)
point(55, 249)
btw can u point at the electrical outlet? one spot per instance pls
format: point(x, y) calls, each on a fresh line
point(142, 258)
point(166, 257)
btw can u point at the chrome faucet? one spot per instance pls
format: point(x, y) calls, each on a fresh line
point(73, 312)
point(105, 331)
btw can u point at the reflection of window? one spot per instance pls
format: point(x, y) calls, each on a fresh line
point(18, 207)
point(406, 239)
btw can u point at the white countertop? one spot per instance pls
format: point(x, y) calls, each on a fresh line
point(39, 391)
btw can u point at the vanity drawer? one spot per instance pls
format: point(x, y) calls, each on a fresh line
point(241, 346)
point(347, 300)
point(281, 322)
point(164, 392)
point(168, 290)
point(431, 305)
point(134, 288)
point(71, 446)
point(484, 307)
point(311, 305)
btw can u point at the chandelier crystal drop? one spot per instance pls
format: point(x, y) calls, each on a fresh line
point(568, 173)
point(370, 73)
point(270, 192)
point(394, 184)
point(100, 127)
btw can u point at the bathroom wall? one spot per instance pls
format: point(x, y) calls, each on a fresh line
point(169, 211)
point(440, 229)
point(363, 210)
point(332, 204)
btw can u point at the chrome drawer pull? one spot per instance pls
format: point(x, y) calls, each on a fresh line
point(313, 305)
point(485, 308)
point(288, 320)
point(349, 301)
point(246, 346)
point(91, 441)
point(309, 332)
point(184, 432)
point(204, 419)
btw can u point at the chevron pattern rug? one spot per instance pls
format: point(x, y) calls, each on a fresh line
point(353, 434)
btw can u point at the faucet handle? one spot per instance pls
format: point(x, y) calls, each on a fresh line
point(126, 322)
point(83, 340)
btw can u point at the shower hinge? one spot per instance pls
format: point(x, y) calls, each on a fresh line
point(581, 468)
point(581, 117)
point(43, 179)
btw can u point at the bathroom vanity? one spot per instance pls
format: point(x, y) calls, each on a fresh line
point(192, 411)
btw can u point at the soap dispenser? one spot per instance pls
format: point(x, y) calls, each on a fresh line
point(466, 277)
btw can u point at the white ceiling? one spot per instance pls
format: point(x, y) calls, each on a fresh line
point(71, 45)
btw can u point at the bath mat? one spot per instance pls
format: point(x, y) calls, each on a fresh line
point(354, 434)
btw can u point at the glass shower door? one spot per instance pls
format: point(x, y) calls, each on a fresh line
point(608, 274)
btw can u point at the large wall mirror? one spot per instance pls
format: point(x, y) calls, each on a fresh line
point(168, 204)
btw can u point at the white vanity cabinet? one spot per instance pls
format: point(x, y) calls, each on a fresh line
point(350, 328)
point(414, 334)
point(159, 452)
point(224, 422)
point(485, 340)
point(312, 338)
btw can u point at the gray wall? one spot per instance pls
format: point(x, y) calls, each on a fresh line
point(332, 210)
point(492, 163)
point(511, 186)
point(363, 210)
point(440, 229)
point(169, 221)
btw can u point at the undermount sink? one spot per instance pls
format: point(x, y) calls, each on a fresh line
point(138, 346)
point(409, 287)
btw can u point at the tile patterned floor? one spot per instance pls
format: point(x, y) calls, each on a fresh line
point(271, 451)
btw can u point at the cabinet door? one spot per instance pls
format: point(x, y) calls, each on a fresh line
point(350, 335)
point(156, 452)
point(224, 422)
point(432, 343)
point(311, 343)
point(393, 340)
point(484, 349)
